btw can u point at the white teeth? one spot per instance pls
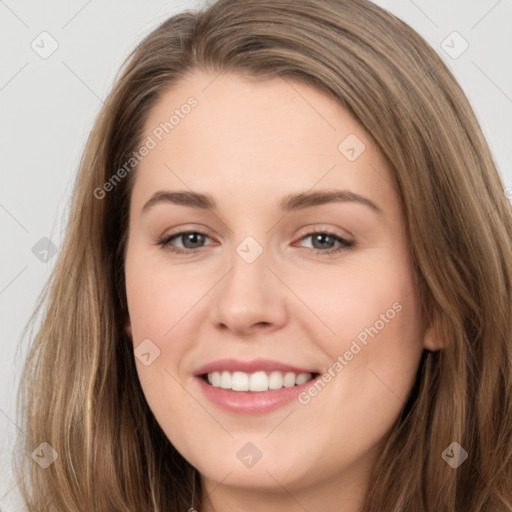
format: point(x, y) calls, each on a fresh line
point(301, 378)
point(289, 380)
point(215, 376)
point(240, 381)
point(275, 380)
point(225, 380)
point(258, 381)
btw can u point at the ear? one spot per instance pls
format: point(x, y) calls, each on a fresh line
point(128, 327)
point(432, 339)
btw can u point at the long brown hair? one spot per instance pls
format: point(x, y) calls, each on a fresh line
point(80, 391)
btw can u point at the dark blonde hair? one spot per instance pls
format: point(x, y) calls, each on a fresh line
point(80, 391)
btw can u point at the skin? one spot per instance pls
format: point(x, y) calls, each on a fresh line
point(249, 143)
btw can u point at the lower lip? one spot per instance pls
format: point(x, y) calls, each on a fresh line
point(252, 402)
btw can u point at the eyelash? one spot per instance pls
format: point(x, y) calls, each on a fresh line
point(346, 245)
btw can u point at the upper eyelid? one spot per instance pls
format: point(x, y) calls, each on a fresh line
point(307, 230)
point(308, 233)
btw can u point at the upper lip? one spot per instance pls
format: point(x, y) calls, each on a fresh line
point(233, 365)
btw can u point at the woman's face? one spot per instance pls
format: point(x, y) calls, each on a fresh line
point(274, 284)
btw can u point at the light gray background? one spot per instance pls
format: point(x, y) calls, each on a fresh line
point(48, 107)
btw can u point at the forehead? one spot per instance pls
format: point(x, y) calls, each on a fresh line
point(248, 137)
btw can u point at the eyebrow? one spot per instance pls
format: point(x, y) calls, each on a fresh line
point(289, 203)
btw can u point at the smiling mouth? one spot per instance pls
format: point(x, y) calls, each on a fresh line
point(258, 381)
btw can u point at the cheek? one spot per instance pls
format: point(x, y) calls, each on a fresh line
point(348, 299)
point(368, 315)
point(162, 304)
point(372, 358)
point(159, 297)
point(157, 300)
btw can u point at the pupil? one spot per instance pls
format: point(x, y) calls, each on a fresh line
point(322, 238)
point(190, 236)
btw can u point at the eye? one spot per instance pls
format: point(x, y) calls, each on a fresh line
point(324, 240)
point(190, 240)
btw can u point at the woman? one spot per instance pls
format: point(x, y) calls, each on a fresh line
point(253, 371)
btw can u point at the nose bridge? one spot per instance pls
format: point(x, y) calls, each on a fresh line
point(250, 295)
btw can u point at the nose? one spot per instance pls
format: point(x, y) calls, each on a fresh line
point(250, 298)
